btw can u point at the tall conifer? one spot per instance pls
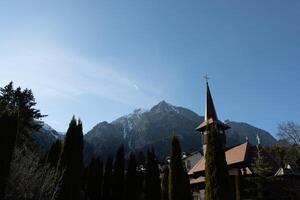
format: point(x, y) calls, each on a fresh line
point(71, 161)
point(178, 184)
point(217, 182)
point(152, 179)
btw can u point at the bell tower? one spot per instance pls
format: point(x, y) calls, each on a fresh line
point(210, 120)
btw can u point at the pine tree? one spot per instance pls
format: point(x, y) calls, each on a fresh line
point(217, 182)
point(107, 180)
point(165, 184)
point(94, 179)
point(24, 103)
point(264, 177)
point(71, 160)
point(178, 184)
point(54, 153)
point(8, 134)
point(131, 182)
point(152, 179)
point(118, 175)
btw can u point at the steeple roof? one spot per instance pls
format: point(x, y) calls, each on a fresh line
point(210, 116)
point(210, 111)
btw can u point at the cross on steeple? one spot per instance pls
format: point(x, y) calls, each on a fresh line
point(206, 78)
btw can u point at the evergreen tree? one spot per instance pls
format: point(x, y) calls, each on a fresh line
point(131, 183)
point(8, 133)
point(152, 179)
point(54, 153)
point(118, 175)
point(71, 160)
point(217, 182)
point(94, 179)
point(23, 102)
point(107, 180)
point(264, 177)
point(165, 184)
point(178, 184)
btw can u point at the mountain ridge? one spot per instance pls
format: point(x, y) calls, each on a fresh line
point(143, 129)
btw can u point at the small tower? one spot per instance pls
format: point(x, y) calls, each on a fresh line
point(210, 120)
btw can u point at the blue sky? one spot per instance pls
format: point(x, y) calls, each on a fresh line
point(102, 59)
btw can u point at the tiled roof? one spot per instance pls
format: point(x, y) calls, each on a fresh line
point(233, 155)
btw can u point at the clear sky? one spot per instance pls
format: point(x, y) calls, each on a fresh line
point(102, 59)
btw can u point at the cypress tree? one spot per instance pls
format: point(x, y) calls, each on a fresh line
point(94, 179)
point(8, 133)
point(178, 184)
point(264, 177)
point(152, 179)
point(71, 160)
point(107, 179)
point(118, 175)
point(217, 182)
point(54, 153)
point(131, 192)
point(165, 184)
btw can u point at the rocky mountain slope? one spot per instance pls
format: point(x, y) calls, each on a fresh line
point(144, 129)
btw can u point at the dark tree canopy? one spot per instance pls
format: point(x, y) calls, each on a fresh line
point(54, 153)
point(217, 182)
point(178, 185)
point(107, 179)
point(264, 176)
point(23, 103)
point(94, 179)
point(152, 180)
point(118, 175)
point(71, 160)
point(8, 133)
point(165, 184)
point(131, 181)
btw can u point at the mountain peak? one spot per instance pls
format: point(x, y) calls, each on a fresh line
point(163, 106)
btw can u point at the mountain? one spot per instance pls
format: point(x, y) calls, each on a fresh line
point(144, 129)
point(45, 136)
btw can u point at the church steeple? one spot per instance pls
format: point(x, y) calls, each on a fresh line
point(210, 116)
point(211, 119)
point(210, 112)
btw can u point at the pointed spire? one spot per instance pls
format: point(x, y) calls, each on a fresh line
point(210, 111)
point(210, 116)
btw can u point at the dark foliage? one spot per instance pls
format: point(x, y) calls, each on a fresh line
point(131, 181)
point(23, 102)
point(8, 133)
point(107, 179)
point(54, 153)
point(264, 176)
point(165, 184)
point(217, 182)
point(178, 184)
point(118, 175)
point(94, 179)
point(152, 180)
point(71, 160)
